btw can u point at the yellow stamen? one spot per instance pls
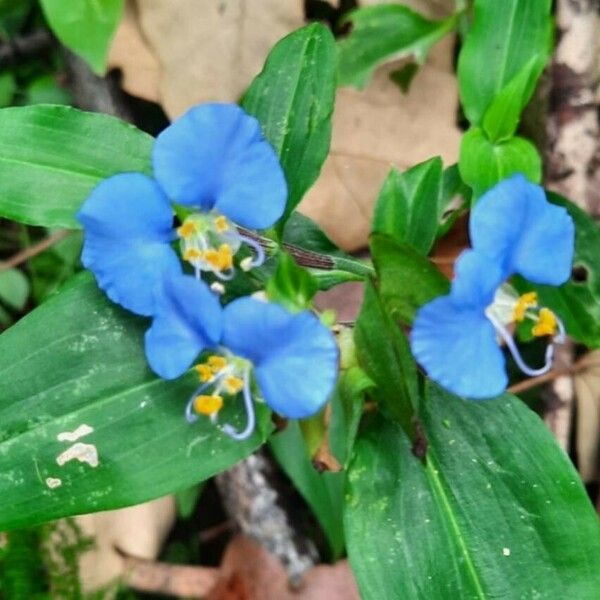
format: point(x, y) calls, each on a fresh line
point(221, 224)
point(192, 254)
point(525, 302)
point(187, 229)
point(233, 384)
point(216, 363)
point(546, 325)
point(211, 256)
point(204, 372)
point(225, 257)
point(208, 405)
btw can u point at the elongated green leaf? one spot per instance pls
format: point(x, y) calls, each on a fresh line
point(407, 279)
point(85, 26)
point(385, 32)
point(577, 302)
point(484, 163)
point(496, 511)
point(503, 39)
point(407, 207)
point(383, 353)
point(51, 157)
point(324, 492)
point(302, 231)
point(293, 100)
point(77, 364)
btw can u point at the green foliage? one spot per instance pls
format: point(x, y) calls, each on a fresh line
point(8, 87)
point(14, 288)
point(322, 491)
point(495, 510)
point(51, 157)
point(293, 99)
point(79, 360)
point(504, 39)
point(484, 163)
point(385, 32)
point(383, 353)
point(86, 27)
point(577, 302)
point(407, 207)
point(407, 279)
point(502, 115)
point(291, 285)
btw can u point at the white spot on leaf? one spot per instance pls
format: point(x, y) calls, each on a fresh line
point(73, 436)
point(506, 551)
point(53, 482)
point(86, 453)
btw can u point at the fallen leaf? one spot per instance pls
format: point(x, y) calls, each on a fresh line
point(130, 53)
point(212, 50)
point(135, 531)
point(378, 128)
point(587, 394)
point(263, 577)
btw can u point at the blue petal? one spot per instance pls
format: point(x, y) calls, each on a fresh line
point(476, 279)
point(457, 347)
point(514, 224)
point(128, 225)
point(215, 156)
point(188, 320)
point(294, 355)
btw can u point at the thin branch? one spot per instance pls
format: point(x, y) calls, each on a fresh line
point(583, 363)
point(38, 248)
point(181, 581)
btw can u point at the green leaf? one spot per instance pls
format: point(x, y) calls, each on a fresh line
point(291, 285)
point(384, 355)
point(577, 302)
point(483, 163)
point(8, 87)
point(407, 279)
point(383, 33)
point(79, 360)
point(322, 491)
point(347, 409)
point(187, 499)
point(454, 200)
point(293, 100)
point(503, 40)
point(502, 115)
point(496, 510)
point(14, 288)
point(46, 90)
point(86, 27)
point(304, 232)
point(407, 207)
point(51, 157)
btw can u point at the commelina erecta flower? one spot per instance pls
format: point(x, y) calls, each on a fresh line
point(291, 357)
point(215, 163)
point(513, 230)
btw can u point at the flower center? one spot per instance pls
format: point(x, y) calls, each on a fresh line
point(209, 241)
point(221, 377)
point(509, 308)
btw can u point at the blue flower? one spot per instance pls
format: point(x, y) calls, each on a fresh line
point(293, 357)
point(513, 229)
point(214, 162)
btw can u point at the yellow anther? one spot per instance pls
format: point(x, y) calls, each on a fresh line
point(546, 324)
point(221, 224)
point(187, 229)
point(208, 405)
point(225, 257)
point(211, 256)
point(204, 372)
point(525, 302)
point(216, 363)
point(192, 254)
point(233, 384)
